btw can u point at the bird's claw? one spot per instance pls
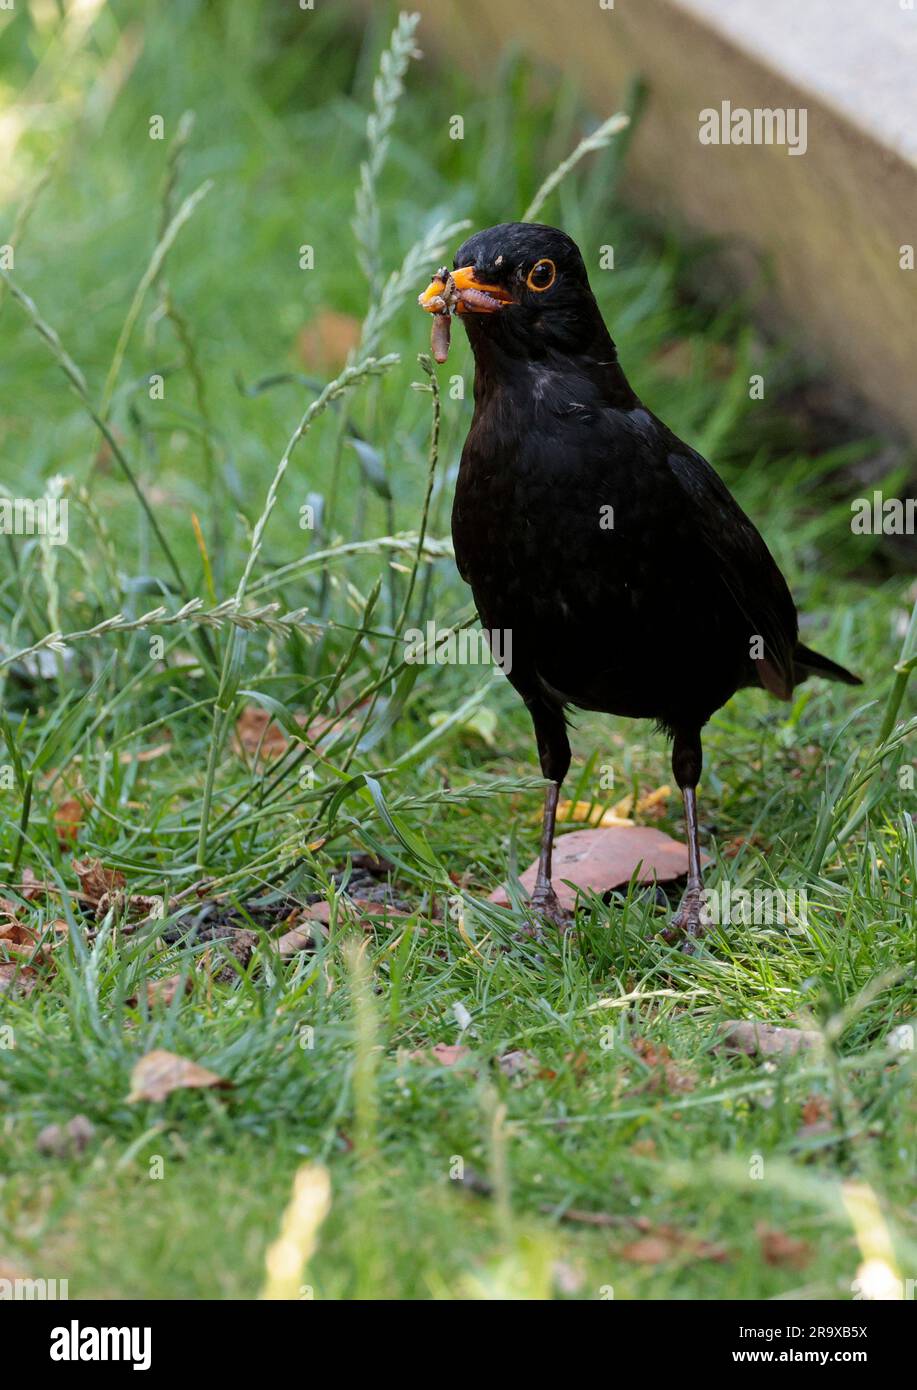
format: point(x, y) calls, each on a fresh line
point(546, 906)
point(687, 923)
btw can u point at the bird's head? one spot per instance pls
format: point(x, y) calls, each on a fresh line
point(521, 288)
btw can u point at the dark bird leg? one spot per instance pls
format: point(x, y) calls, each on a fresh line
point(554, 754)
point(687, 760)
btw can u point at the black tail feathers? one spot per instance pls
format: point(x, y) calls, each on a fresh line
point(808, 663)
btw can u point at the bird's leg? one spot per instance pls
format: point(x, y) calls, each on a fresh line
point(686, 766)
point(554, 755)
point(544, 899)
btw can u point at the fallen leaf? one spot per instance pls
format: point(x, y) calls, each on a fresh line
point(667, 1242)
point(159, 1073)
point(302, 937)
point(443, 1053)
point(13, 933)
point(578, 1217)
point(816, 1118)
point(65, 1141)
point(665, 1072)
point(22, 978)
point(815, 1108)
point(517, 1063)
point(780, 1249)
point(68, 817)
point(144, 755)
point(587, 811)
point(764, 1039)
point(95, 880)
point(649, 1250)
point(654, 803)
point(136, 908)
point(326, 340)
point(368, 907)
point(32, 887)
point(258, 736)
point(447, 1055)
point(162, 991)
point(651, 803)
point(603, 859)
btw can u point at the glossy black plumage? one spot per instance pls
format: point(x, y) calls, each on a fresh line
point(630, 579)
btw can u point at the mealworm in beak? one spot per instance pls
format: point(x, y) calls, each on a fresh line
point(480, 299)
point(439, 336)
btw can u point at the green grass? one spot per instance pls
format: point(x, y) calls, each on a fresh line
point(432, 766)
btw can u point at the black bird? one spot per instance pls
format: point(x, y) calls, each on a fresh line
point(630, 580)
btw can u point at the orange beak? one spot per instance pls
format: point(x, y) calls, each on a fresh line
point(464, 280)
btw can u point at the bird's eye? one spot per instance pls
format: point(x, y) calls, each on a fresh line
point(541, 276)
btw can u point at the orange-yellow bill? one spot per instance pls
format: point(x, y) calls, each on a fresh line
point(477, 291)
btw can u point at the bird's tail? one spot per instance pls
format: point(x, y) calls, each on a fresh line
point(808, 663)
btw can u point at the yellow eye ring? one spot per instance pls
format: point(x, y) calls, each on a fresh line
point(539, 268)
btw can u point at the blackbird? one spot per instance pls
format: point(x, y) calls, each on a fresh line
point(627, 578)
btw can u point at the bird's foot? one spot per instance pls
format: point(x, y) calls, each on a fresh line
point(688, 921)
point(547, 908)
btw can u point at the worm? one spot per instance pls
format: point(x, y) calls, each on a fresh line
point(439, 335)
point(480, 298)
point(448, 301)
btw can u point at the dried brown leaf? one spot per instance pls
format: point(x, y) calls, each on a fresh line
point(780, 1249)
point(33, 887)
point(95, 880)
point(66, 1141)
point(649, 1250)
point(258, 736)
point(162, 991)
point(664, 1243)
point(814, 1109)
point(14, 933)
point(666, 1073)
point(68, 817)
point(816, 1117)
point(159, 1073)
point(16, 978)
point(327, 339)
point(144, 755)
point(518, 1063)
point(607, 858)
point(444, 1054)
point(758, 1039)
point(136, 908)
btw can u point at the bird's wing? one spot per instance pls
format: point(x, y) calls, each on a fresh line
point(745, 565)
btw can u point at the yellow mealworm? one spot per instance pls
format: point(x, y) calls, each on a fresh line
point(479, 298)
